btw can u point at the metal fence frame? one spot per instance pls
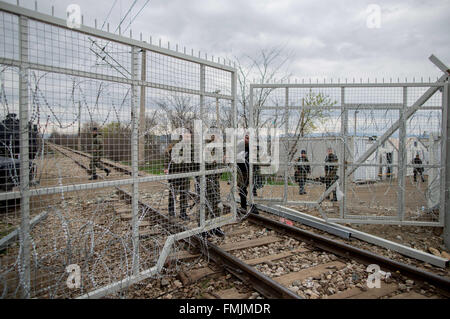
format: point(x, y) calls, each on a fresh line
point(404, 114)
point(136, 84)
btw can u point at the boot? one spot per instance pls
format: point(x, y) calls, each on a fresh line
point(218, 232)
point(205, 234)
point(93, 177)
point(107, 171)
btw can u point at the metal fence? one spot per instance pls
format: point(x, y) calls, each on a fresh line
point(92, 198)
point(388, 143)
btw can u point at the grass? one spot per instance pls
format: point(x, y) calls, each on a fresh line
point(225, 177)
point(153, 167)
point(270, 181)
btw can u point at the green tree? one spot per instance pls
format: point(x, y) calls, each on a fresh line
point(310, 116)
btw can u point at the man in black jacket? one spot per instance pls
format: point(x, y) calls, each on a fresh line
point(301, 172)
point(243, 170)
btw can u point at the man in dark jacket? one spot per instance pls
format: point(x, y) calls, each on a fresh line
point(301, 172)
point(418, 170)
point(330, 172)
point(243, 170)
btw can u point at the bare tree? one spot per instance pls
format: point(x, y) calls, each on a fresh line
point(179, 111)
point(269, 65)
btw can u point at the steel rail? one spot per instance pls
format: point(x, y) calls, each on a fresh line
point(352, 252)
point(260, 282)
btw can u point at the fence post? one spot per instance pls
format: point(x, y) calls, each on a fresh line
point(344, 146)
point(24, 265)
point(251, 126)
point(286, 132)
point(235, 125)
point(401, 172)
point(134, 158)
point(142, 127)
point(445, 194)
point(202, 157)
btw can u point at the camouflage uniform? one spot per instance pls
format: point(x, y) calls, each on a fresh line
point(97, 153)
point(418, 170)
point(330, 173)
point(301, 172)
point(178, 185)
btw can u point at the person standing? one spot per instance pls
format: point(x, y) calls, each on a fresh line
point(330, 172)
point(97, 153)
point(175, 163)
point(301, 172)
point(243, 149)
point(418, 170)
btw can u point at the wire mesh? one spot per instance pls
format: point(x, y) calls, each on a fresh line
point(388, 167)
point(116, 166)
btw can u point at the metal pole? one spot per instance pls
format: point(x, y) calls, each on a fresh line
point(286, 132)
point(142, 109)
point(202, 157)
point(250, 164)
point(401, 173)
point(234, 112)
point(344, 133)
point(24, 237)
point(217, 109)
point(445, 183)
point(134, 160)
point(79, 126)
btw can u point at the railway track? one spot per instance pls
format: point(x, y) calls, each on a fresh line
point(282, 261)
point(338, 270)
point(163, 224)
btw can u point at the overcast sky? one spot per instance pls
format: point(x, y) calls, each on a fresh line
point(325, 38)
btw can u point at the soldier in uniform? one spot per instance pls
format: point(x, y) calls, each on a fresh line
point(178, 186)
point(301, 172)
point(419, 169)
point(330, 172)
point(97, 153)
